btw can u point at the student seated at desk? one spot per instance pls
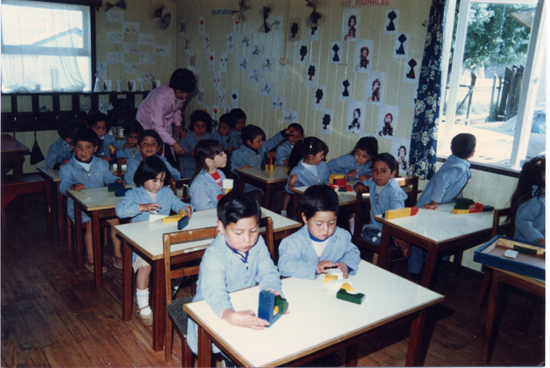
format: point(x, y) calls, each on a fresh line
point(85, 171)
point(223, 134)
point(235, 137)
point(150, 196)
point(238, 258)
point(61, 150)
point(200, 127)
point(99, 124)
point(127, 147)
point(284, 149)
point(319, 244)
point(357, 164)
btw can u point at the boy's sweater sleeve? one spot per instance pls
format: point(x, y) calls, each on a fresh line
point(291, 260)
point(66, 180)
point(236, 160)
point(335, 166)
point(324, 173)
point(272, 142)
point(128, 206)
point(352, 256)
point(108, 176)
point(526, 217)
point(54, 155)
point(212, 278)
point(397, 199)
point(173, 171)
point(131, 167)
point(201, 197)
point(177, 203)
point(443, 182)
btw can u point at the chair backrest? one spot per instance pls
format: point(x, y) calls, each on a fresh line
point(182, 183)
point(413, 193)
point(119, 163)
point(267, 222)
point(505, 228)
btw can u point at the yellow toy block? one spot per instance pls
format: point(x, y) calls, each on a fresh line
point(329, 277)
point(460, 212)
point(112, 149)
point(347, 287)
point(333, 177)
point(174, 218)
point(401, 212)
point(227, 185)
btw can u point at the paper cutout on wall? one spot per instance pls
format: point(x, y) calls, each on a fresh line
point(234, 98)
point(201, 25)
point(290, 117)
point(130, 48)
point(244, 63)
point(114, 37)
point(374, 92)
point(223, 61)
point(311, 73)
point(237, 27)
point(183, 26)
point(401, 46)
point(216, 80)
point(391, 22)
point(302, 52)
point(319, 98)
point(266, 89)
point(277, 22)
point(162, 50)
point(350, 25)
point(356, 116)
point(212, 61)
point(146, 39)
point(115, 16)
point(165, 21)
point(238, 15)
point(313, 33)
point(268, 64)
point(336, 52)
point(411, 73)
point(192, 59)
point(187, 44)
point(400, 150)
point(130, 27)
point(221, 97)
point(206, 43)
point(245, 40)
point(254, 75)
point(119, 4)
point(115, 57)
point(345, 89)
point(200, 95)
point(278, 102)
point(130, 68)
point(146, 58)
point(294, 28)
point(387, 120)
point(215, 112)
point(415, 96)
point(326, 122)
point(230, 43)
point(257, 51)
point(364, 54)
point(264, 12)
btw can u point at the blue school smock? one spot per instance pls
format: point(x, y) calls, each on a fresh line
point(123, 152)
point(187, 162)
point(103, 148)
point(235, 139)
point(222, 139)
point(222, 272)
point(299, 259)
point(57, 154)
point(204, 191)
point(345, 163)
point(73, 173)
point(307, 177)
point(447, 182)
point(530, 223)
point(283, 152)
point(133, 163)
point(391, 197)
point(247, 156)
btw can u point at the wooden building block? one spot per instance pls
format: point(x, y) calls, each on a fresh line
point(121, 192)
point(352, 298)
point(271, 307)
point(114, 186)
point(401, 212)
point(183, 222)
point(333, 177)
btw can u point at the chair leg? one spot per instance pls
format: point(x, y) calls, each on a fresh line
point(105, 237)
point(186, 354)
point(375, 259)
point(487, 275)
point(69, 234)
point(168, 331)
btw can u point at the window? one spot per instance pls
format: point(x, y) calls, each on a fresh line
point(497, 92)
point(45, 47)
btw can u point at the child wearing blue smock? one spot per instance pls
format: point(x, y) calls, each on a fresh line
point(223, 134)
point(200, 127)
point(319, 244)
point(150, 196)
point(149, 144)
point(98, 123)
point(61, 150)
point(207, 185)
point(127, 147)
point(357, 165)
point(85, 171)
point(235, 137)
point(284, 149)
point(238, 258)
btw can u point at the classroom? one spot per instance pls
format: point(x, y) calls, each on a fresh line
point(343, 70)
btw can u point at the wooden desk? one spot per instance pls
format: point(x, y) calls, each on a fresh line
point(51, 177)
point(317, 323)
point(145, 238)
point(267, 180)
point(436, 231)
point(500, 277)
point(12, 155)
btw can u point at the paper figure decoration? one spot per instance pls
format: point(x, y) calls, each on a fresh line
point(278, 102)
point(267, 64)
point(290, 117)
point(119, 84)
point(223, 62)
point(245, 40)
point(221, 97)
point(164, 19)
point(311, 72)
point(206, 43)
point(303, 52)
point(318, 100)
point(202, 22)
point(264, 12)
point(244, 63)
point(387, 120)
point(313, 34)
point(276, 23)
point(238, 15)
point(254, 75)
point(234, 98)
point(363, 56)
point(326, 122)
point(257, 51)
point(311, 80)
point(230, 43)
point(319, 95)
point(294, 30)
point(411, 75)
point(374, 91)
point(336, 49)
point(345, 90)
point(266, 89)
point(400, 151)
point(183, 25)
point(391, 26)
point(119, 4)
point(356, 116)
point(216, 80)
point(215, 112)
point(212, 62)
point(401, 46)
point(314, 18)
point(350, 24)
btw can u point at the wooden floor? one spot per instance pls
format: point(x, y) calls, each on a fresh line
point(53, 316)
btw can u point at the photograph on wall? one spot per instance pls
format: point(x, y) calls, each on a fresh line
point(311, 72)
point(130, 27)
point(254, 75)
point(401, 46)
point(374, 91)
point(216, 80)
point(412, 71)
point(206, 43)
point(146, 39)
point(244, 63)
point(221, 97)
point(290, 117)
point(345, 89)
point(130, 48)
point(266, 89)
point(115, 16)
point(212, 62)
point(313, 33)
point(201, 26)
point(336, 52)
point(319, 98)
point(387, 120)
point(257, 51)
point(356, 116)
point(326, 122)
point(230, 43)
point(400, 150)
point(278, 102)
point(364, 53)
point(115, 57)
point(350, 25)
point(294, 28)
point(114, 37)
point(215, 111)
point(268, 64)
point(234, 98)
point(391, 22)
point(223, 61)
point(303, 47)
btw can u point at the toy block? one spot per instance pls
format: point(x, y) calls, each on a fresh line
point(337, 284)
point(271, 307)
point(337, 272)
point(227, 185)
point(183, 222)
point(153, 217)
point(463, 203)
point(121, 192)
point(401, 212)
point(114, 186)
point(269, 167)
point(352, 298)
point(341, 182)
point(334, 177)
point(174, 218)
point(112, 149)
point(342, 189)
point(460, 212)
point(488, 209)
point(347, 287)
point(329, 277)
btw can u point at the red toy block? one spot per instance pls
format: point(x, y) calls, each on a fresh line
point(340, 182)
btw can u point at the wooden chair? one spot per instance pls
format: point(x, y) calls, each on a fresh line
point(179, 184)
point(119, 163)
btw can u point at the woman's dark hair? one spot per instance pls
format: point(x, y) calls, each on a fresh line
point(319, 198)
point(228, 119)
point(86, 135)
point(387, 158)
point(206, 148)
point(237, 205)
point(530, 184)
point(302, 149)
point(149, 168)
point(131, 127)
point(183, 80)
point(238, 114)
point(250, 132)
point(67, 129)
point(367, 144)
point(201, 115)
point(298, 127)
point(95, 118)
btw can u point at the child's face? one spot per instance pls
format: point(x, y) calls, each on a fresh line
point(316, 159)
point(361, 157)
point(294, 137)
point(381, 173)
point(322, 225)
point(69, 141)
point(100, 128)
point(242, 235)
point(199, 128)
point(84, 150)
point(132, 139)
point(240, 124)
point(224, 129)
point(220, 160)
point(156, 184)
point(257, 143)
point(148, 146)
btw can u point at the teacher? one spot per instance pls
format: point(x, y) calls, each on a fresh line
point(162, 108)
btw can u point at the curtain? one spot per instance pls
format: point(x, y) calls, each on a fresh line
point(422, 155)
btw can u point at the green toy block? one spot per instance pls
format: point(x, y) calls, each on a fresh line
point(121, 192)
point(463, 203)
point(114, 186)
point(353, 298)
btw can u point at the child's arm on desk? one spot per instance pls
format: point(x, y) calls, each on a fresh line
point(244, 319)
point(433, 205)
point(360, 188)
point(78, 187)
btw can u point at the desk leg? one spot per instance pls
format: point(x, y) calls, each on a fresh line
point(415, 340)
point(383, 253)
point(96, 243)
point(127, 274)
point(296, 200)
point(351, 355)
point(204, 355)
point(79, 238)
point(158, 303)
point(429, 267)
point(49, 206)
point(491, 325)
point(60, 218)
point(267, 197)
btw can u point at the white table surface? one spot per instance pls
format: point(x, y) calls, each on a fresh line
point(53, 174)
point(343, 197)
point(316, 318)
point(280, 172)
point(97, 198)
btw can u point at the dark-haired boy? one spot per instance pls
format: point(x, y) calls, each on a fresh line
point(199, 129)
point(223, 135)
point(239, 116)
point(61, 150)
point(127, 147)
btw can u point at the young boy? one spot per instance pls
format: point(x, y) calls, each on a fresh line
point(61, 150)
point(98, 123)
point(320, 244)
point(199, 129)
point(149, 144)
point(237, 258)
point(85, 171)
point(223, 134)
point(127, 147)
point(235, 139)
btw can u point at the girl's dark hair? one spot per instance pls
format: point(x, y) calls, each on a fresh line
point(298, 127)
point(206, 148)
point(183, 80)
point(131, 127)
point(238, 114)
point(237, 205)
point(96, 117)
point(201, 115)
point(530, 184)
point(302, 149)
point(67, 129)
point(319, 198)
point(150, 133)
point(250, 132)
point(367, 144)
point(148, 169)
point(86, 135)
point(228, 119)
point(387, 158)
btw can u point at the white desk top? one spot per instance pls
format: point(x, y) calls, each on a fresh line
point(147, 236)
point(279, 173)
point(94, 199)
point(316, 319)
point(53, 174)
point(442, 225)
point(344, 198)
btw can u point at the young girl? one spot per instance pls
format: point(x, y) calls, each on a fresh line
point(127, 147)
point(529, 203)
point(150, 196)
point(207, 186)
point(284, 149)
point(201, 125)
point(319, 244)
point(98, 123)
point(357, 164)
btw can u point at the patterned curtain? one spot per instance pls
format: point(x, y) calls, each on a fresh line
point(424, 133)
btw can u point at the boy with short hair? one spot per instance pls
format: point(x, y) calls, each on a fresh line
point(99, 123)
point(85, 171)
point(127, 147)
point(239, 117)
point(61, 150)
point(223, 135)
point(238, 258)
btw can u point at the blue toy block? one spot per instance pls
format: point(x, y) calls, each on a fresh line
point(267, 304)
point(183, 222)
point(121, 192)
point(114, 186)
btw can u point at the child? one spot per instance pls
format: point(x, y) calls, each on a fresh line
point(529, 203)
point(84, 171)
point(239, 117)
point(284, 149)
point(320, 244)
point(61, 150)
point(201, 125)
point(150, 196)
point(357, 164)
point(98, 123)
point(149, 144)
point(223, 134)
point(207, 186)
point(237, 258)
point(127, 147)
